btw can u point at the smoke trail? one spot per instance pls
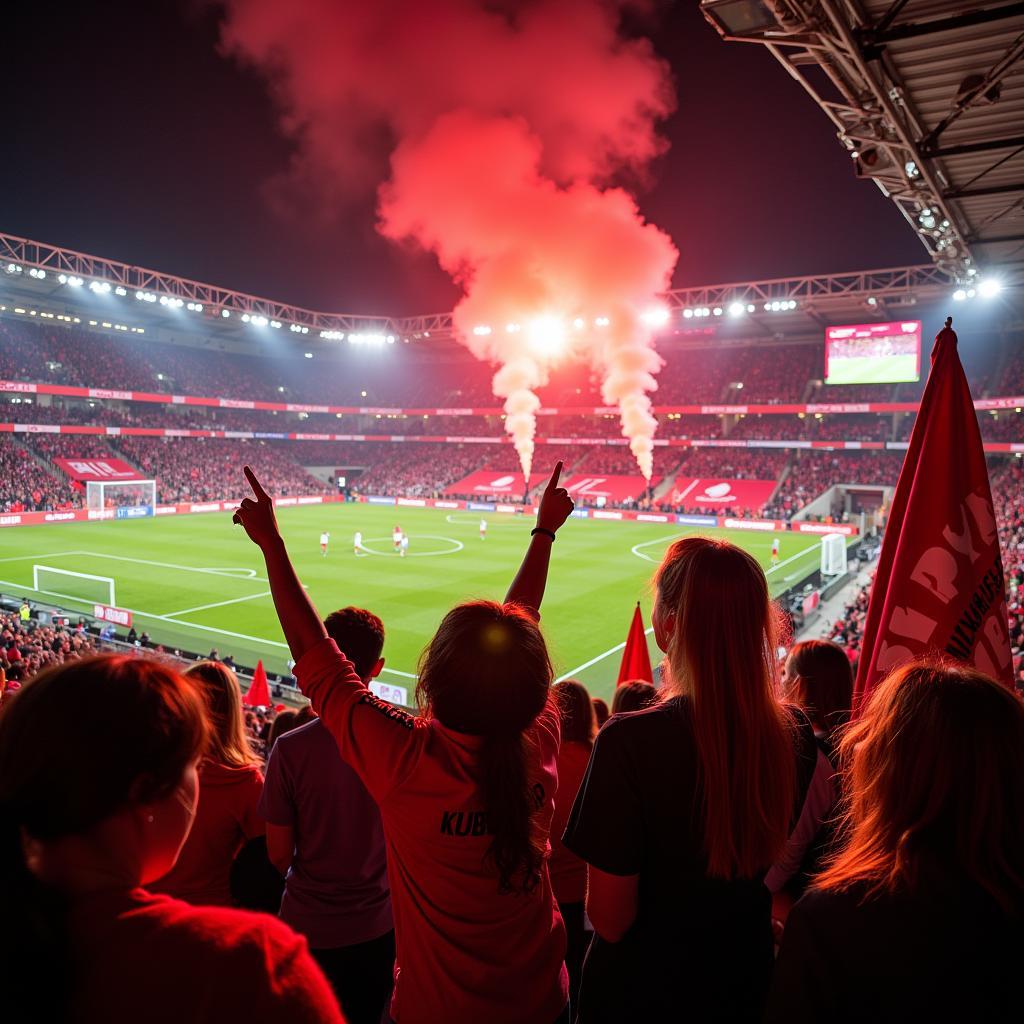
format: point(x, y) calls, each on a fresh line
point(509, 124)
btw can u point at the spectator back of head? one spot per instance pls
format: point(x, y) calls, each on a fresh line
point(228, 744)
point(359, 635)
point(579, 720)
point(634, 695)
point(819, 678)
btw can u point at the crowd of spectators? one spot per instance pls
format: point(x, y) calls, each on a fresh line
point(811, 473)
point(28, 647)
point(482, 922)
point(206, 469)
point(25, 485)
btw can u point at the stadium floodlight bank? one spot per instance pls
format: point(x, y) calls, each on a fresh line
point(126, 499)
point(82, 587)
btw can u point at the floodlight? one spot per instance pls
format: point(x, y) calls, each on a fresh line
point(959, 295)
point(736, 309)
point(990, 287)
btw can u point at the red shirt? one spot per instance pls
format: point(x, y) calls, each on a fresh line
point(154, 959)
point(568, 872)
point(466, 953)
point(226, 817)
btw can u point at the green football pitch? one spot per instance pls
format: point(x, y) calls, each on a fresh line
point(880, 370)
point(197, 582)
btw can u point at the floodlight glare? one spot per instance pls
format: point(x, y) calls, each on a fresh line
point(990, 287)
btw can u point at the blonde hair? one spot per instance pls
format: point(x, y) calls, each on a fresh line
point(721, 655)
point(228, 741)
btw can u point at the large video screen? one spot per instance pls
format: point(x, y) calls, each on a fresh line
point(873, 353)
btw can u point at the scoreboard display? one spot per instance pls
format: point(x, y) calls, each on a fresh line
point(873, 353)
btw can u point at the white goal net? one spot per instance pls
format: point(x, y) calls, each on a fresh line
point(113, 495)
point(73, 586)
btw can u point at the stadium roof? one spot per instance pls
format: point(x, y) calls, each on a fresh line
point(41, 280)
point(928, 97)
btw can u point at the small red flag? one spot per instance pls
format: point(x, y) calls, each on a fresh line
point(636, 662)
point(939, 585)
point(258, 694)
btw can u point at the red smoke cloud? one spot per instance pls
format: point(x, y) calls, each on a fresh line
point(507, 125)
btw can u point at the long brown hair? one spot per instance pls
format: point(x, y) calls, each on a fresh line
point(487, 673)
point(819, 679)
point(229, 743)
point(934, 787)
point(576, 710)
point(721, 655)
point(77, 744)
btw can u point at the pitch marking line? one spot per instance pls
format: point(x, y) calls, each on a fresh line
point(216, 604)
point(471, 520)
point(230, 572)
point(459, 546)
point(675, 536)
point(593, 661)
point(49, 554)
point(398, 672)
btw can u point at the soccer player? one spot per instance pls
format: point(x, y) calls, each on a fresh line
point(483, 529)
point(358, 541)
point(775, 551)
point(396, 537)
point(405, 545)
point(325, 539)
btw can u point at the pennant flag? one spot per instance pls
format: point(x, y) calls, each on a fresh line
point(258, 694)
point(636, 662)
point(939, 586)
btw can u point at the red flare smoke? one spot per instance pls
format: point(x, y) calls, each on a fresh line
point(508, 124)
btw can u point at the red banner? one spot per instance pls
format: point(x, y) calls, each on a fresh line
point(114, 470)
point(939, 586)
point(715, 493)
point(594, 489)
point(490, 484)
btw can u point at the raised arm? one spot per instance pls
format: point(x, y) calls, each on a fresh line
point(555, 506)
point(299, 619)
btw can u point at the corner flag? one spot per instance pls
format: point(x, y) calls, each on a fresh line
point(939, 586)
point(636, 662)
point(258, 694)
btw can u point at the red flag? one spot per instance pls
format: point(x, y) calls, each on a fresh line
point(636, 662)
point(939, 585)
point(258, 694)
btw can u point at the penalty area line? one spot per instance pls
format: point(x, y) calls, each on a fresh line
point(593, 661)
point(216, 604)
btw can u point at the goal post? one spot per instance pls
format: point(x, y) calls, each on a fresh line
point(833, 554)
point(73, 586)
point(123, 499)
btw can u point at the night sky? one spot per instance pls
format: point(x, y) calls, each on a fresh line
point(127, 135)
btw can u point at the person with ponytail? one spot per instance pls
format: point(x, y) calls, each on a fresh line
point(919, 915)
point(98, 790)
point(466, 788)
point(686, 805)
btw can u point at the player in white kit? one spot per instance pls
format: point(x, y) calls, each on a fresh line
point(483, 529)
point(404, 546)
point(325, 539)
point(358, 543)
point(396, 537)
point(775, 551)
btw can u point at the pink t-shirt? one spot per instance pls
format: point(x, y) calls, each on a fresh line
point(226, 817)
point(466, 953)
point(568, 872)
